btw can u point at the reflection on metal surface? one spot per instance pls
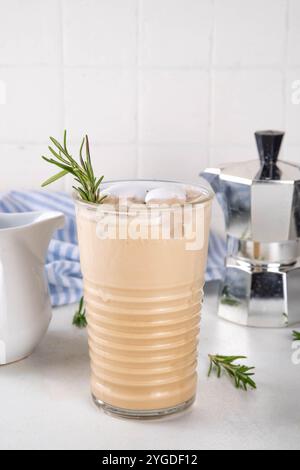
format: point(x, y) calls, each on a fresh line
point(261, 297)
point(261, 204)
point(2, 353)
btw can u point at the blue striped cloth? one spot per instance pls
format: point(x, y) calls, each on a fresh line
point(62, 263)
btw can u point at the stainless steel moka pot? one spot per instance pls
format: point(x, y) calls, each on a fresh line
point(261, 204)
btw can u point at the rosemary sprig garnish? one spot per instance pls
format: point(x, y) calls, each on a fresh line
point(88, 185)
point(296, 335)
point(79, 318)
point(240, 374)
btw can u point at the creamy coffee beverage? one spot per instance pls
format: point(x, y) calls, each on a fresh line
point(143, 257)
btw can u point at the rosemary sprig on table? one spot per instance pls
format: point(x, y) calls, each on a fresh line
point(79, 318)
point(88, 185)
point(240, 374)
point(296, 335)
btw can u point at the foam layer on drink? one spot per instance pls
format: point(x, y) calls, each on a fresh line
point(143, 299)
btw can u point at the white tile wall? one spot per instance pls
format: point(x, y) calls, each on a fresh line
point(33, 106)
point(293, 110)
point(294, 33)
point(163, 87)
point(100, 32)
point(30, 32)
point(175, 33)
point(22, 167)
point(250, 33)
point(100, 102)
point(244, 101)
point(173, 106)
point(183, 161)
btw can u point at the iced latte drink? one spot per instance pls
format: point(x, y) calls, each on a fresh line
point(143, 257)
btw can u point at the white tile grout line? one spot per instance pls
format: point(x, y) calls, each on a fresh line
point(67, 184)
point(62, 61)
point(137, 88)
point(183, 68)
point(157, 143)
point(200, 145)
point(177, 68)
point(286, 96)
point(211, 84)
point(108, 143)
point(68, 180)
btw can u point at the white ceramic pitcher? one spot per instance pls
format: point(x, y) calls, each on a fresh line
point(25, 309)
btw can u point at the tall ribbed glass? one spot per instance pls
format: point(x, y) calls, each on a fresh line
point(143, 293)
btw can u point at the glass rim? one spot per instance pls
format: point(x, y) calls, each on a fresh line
point(204, 187)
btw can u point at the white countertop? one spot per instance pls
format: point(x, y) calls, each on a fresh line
point(45, 401)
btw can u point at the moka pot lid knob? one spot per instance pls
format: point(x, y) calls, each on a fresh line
point(269, 144)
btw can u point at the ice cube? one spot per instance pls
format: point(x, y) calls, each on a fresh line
point(134, 192)
point(171, 195)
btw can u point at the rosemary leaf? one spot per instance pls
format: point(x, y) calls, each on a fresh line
point(296, 335)
point(88, 185)
point(55, 178)
point(79, 318)
point(67, 168)
point(57, 155)
point(80, 155)
point(98, 183)
point(240, 374)
point(57, 144)
point(65, 141)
